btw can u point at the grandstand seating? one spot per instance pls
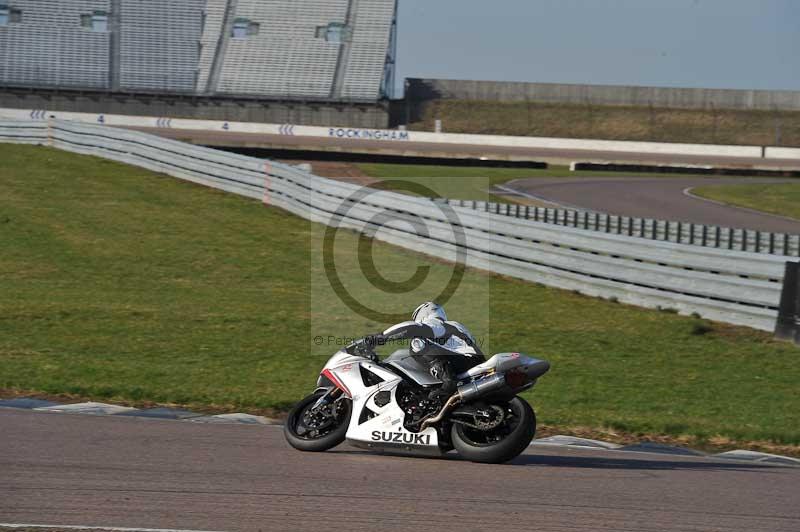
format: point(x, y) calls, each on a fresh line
point(159, 47)
point(45, 44)
point(371, 32)
point(213, 28)
point(306, 49)
point(285, 58)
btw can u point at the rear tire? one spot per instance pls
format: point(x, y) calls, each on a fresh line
point(307, 434)
point(493, 447)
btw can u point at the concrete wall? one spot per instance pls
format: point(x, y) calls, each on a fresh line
point(394, 136)
point(421, 90)
point(201, 108)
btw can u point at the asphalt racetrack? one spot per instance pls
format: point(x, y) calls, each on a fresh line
point(102, 471)
point(663, 198)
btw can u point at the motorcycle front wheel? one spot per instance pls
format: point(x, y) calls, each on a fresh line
point(315, 430)
point(499, 444)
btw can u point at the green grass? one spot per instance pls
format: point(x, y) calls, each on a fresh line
point(385, 171)
point(782, 199)
point(456, 182)
point(465, 188)
point(119, 284)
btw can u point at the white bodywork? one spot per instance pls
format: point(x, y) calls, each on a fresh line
point(385, 429)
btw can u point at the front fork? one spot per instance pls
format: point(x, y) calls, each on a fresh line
point(330, 395)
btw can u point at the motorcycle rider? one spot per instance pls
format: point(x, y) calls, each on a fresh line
point(446, 346)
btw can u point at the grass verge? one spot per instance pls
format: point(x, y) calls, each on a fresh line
point(781, 199)
point(467, 183)
point(385, 171)
point(123, 285)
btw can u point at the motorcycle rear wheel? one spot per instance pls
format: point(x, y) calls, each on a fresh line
point(501, 444)
point(307, 430)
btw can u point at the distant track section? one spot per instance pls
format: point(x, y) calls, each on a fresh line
point(664, 199)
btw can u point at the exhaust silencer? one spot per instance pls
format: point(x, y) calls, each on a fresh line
point(481, 386)
point(466, 393)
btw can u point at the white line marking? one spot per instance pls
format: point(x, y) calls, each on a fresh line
point(556, 204)
point(114, 528)
point(688, 192)
point(513, 191)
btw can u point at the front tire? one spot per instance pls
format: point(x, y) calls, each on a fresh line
point(316, 431)
point(501, 444)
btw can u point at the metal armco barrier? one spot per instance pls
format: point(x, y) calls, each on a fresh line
point(728, 285)
point(679, 232)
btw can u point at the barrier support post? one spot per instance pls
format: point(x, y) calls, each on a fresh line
point(267, 169)
point(786, 326)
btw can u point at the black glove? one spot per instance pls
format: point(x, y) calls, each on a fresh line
point(375, 340)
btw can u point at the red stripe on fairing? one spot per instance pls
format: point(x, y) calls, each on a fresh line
point(336, 382)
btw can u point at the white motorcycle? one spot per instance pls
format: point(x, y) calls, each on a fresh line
point(386, 405)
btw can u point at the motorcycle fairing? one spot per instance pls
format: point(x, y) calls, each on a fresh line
point(372, 425)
